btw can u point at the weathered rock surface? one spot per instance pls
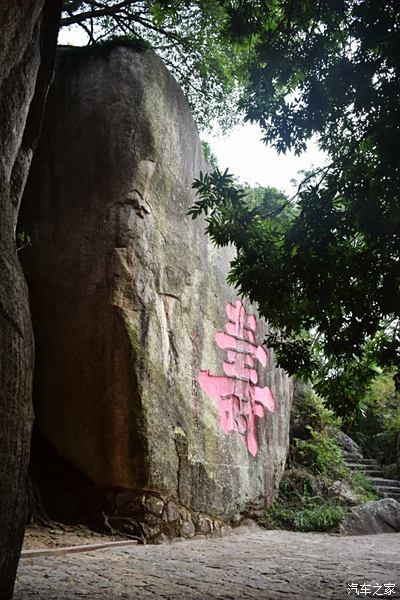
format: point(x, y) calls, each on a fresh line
point(348, 445)
point(28, 30)
point(379, 516)
point(342, 491)
point(127, 295)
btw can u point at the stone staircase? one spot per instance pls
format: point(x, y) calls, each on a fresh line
point(387, 488)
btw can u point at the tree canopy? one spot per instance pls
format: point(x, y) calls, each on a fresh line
point(189, 37)
point(324, 267)
point(327, 275)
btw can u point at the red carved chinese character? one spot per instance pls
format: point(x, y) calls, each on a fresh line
point(238, 397)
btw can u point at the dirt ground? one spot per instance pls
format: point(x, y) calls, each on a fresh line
point(59, 535)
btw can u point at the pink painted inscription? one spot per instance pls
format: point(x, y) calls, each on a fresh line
point(238, 397)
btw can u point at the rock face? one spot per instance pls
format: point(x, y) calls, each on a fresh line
point(130, 303)
point(379, 516)
point(343, 492)
point(348, 445)
point(28, 31)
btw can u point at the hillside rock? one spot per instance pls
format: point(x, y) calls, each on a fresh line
point(347, 444)
point(28, 30)
point(127, 297)
point(378, 516)
point(343, 492)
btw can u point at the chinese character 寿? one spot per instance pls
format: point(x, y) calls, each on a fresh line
point(238, 397)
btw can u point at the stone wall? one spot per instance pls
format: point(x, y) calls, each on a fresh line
point(128, 295)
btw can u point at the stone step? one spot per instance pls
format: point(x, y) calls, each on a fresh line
point(366, 468)
point(393, 495)
point(358, 460)
point(369, 472)
point(386, 490)
point(382, 482)
point(374, 474)
point(362, 465)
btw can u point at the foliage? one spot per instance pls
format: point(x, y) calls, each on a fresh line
point(189, 38)
point(209, 155)
point(309, 515)
point(307, 499)
point(309, 412)
point(311, 336)
point(327, 273)
point(304, 503)
point(23, 240)
point(363, 487)
point(377, 427)
point(321, 454)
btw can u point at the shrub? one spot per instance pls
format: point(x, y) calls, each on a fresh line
point(309, 410)
point(306, 501)
point(321, 454)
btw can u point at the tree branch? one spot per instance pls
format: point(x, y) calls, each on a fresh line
point(102, 12)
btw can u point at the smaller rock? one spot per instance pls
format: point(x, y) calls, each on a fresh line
point(203, 525)
point(152, 520)
point(188, 529)
point(226, 530)
point(247, 522)
point(184, 513)
point(379, 516)
point(154, 505)
point(172, 512)
point(341, 491)
point(161, 539)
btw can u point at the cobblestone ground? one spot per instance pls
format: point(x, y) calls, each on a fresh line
point(251, 563)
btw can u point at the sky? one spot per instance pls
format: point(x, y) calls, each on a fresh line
point(243, 153)
point(241, 150)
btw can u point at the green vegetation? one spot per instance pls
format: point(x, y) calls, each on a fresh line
point(321, 454)
point(191, 39)
point(308, 511)
point(363, 487)
point(209, 155)
point(309, 494)
point(376, 428)
point(23, 240)
point(324, 268)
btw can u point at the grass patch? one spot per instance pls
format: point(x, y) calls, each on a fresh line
point(304, 503)
point(308, 500)
point(363, 487)
point(322, 516)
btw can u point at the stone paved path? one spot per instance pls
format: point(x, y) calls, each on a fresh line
point(251, 563)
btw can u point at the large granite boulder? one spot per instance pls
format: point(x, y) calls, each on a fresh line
point(150, 373)
point(28, 32)
point(378, 516)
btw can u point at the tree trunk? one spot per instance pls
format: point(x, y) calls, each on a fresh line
point(28, 32)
